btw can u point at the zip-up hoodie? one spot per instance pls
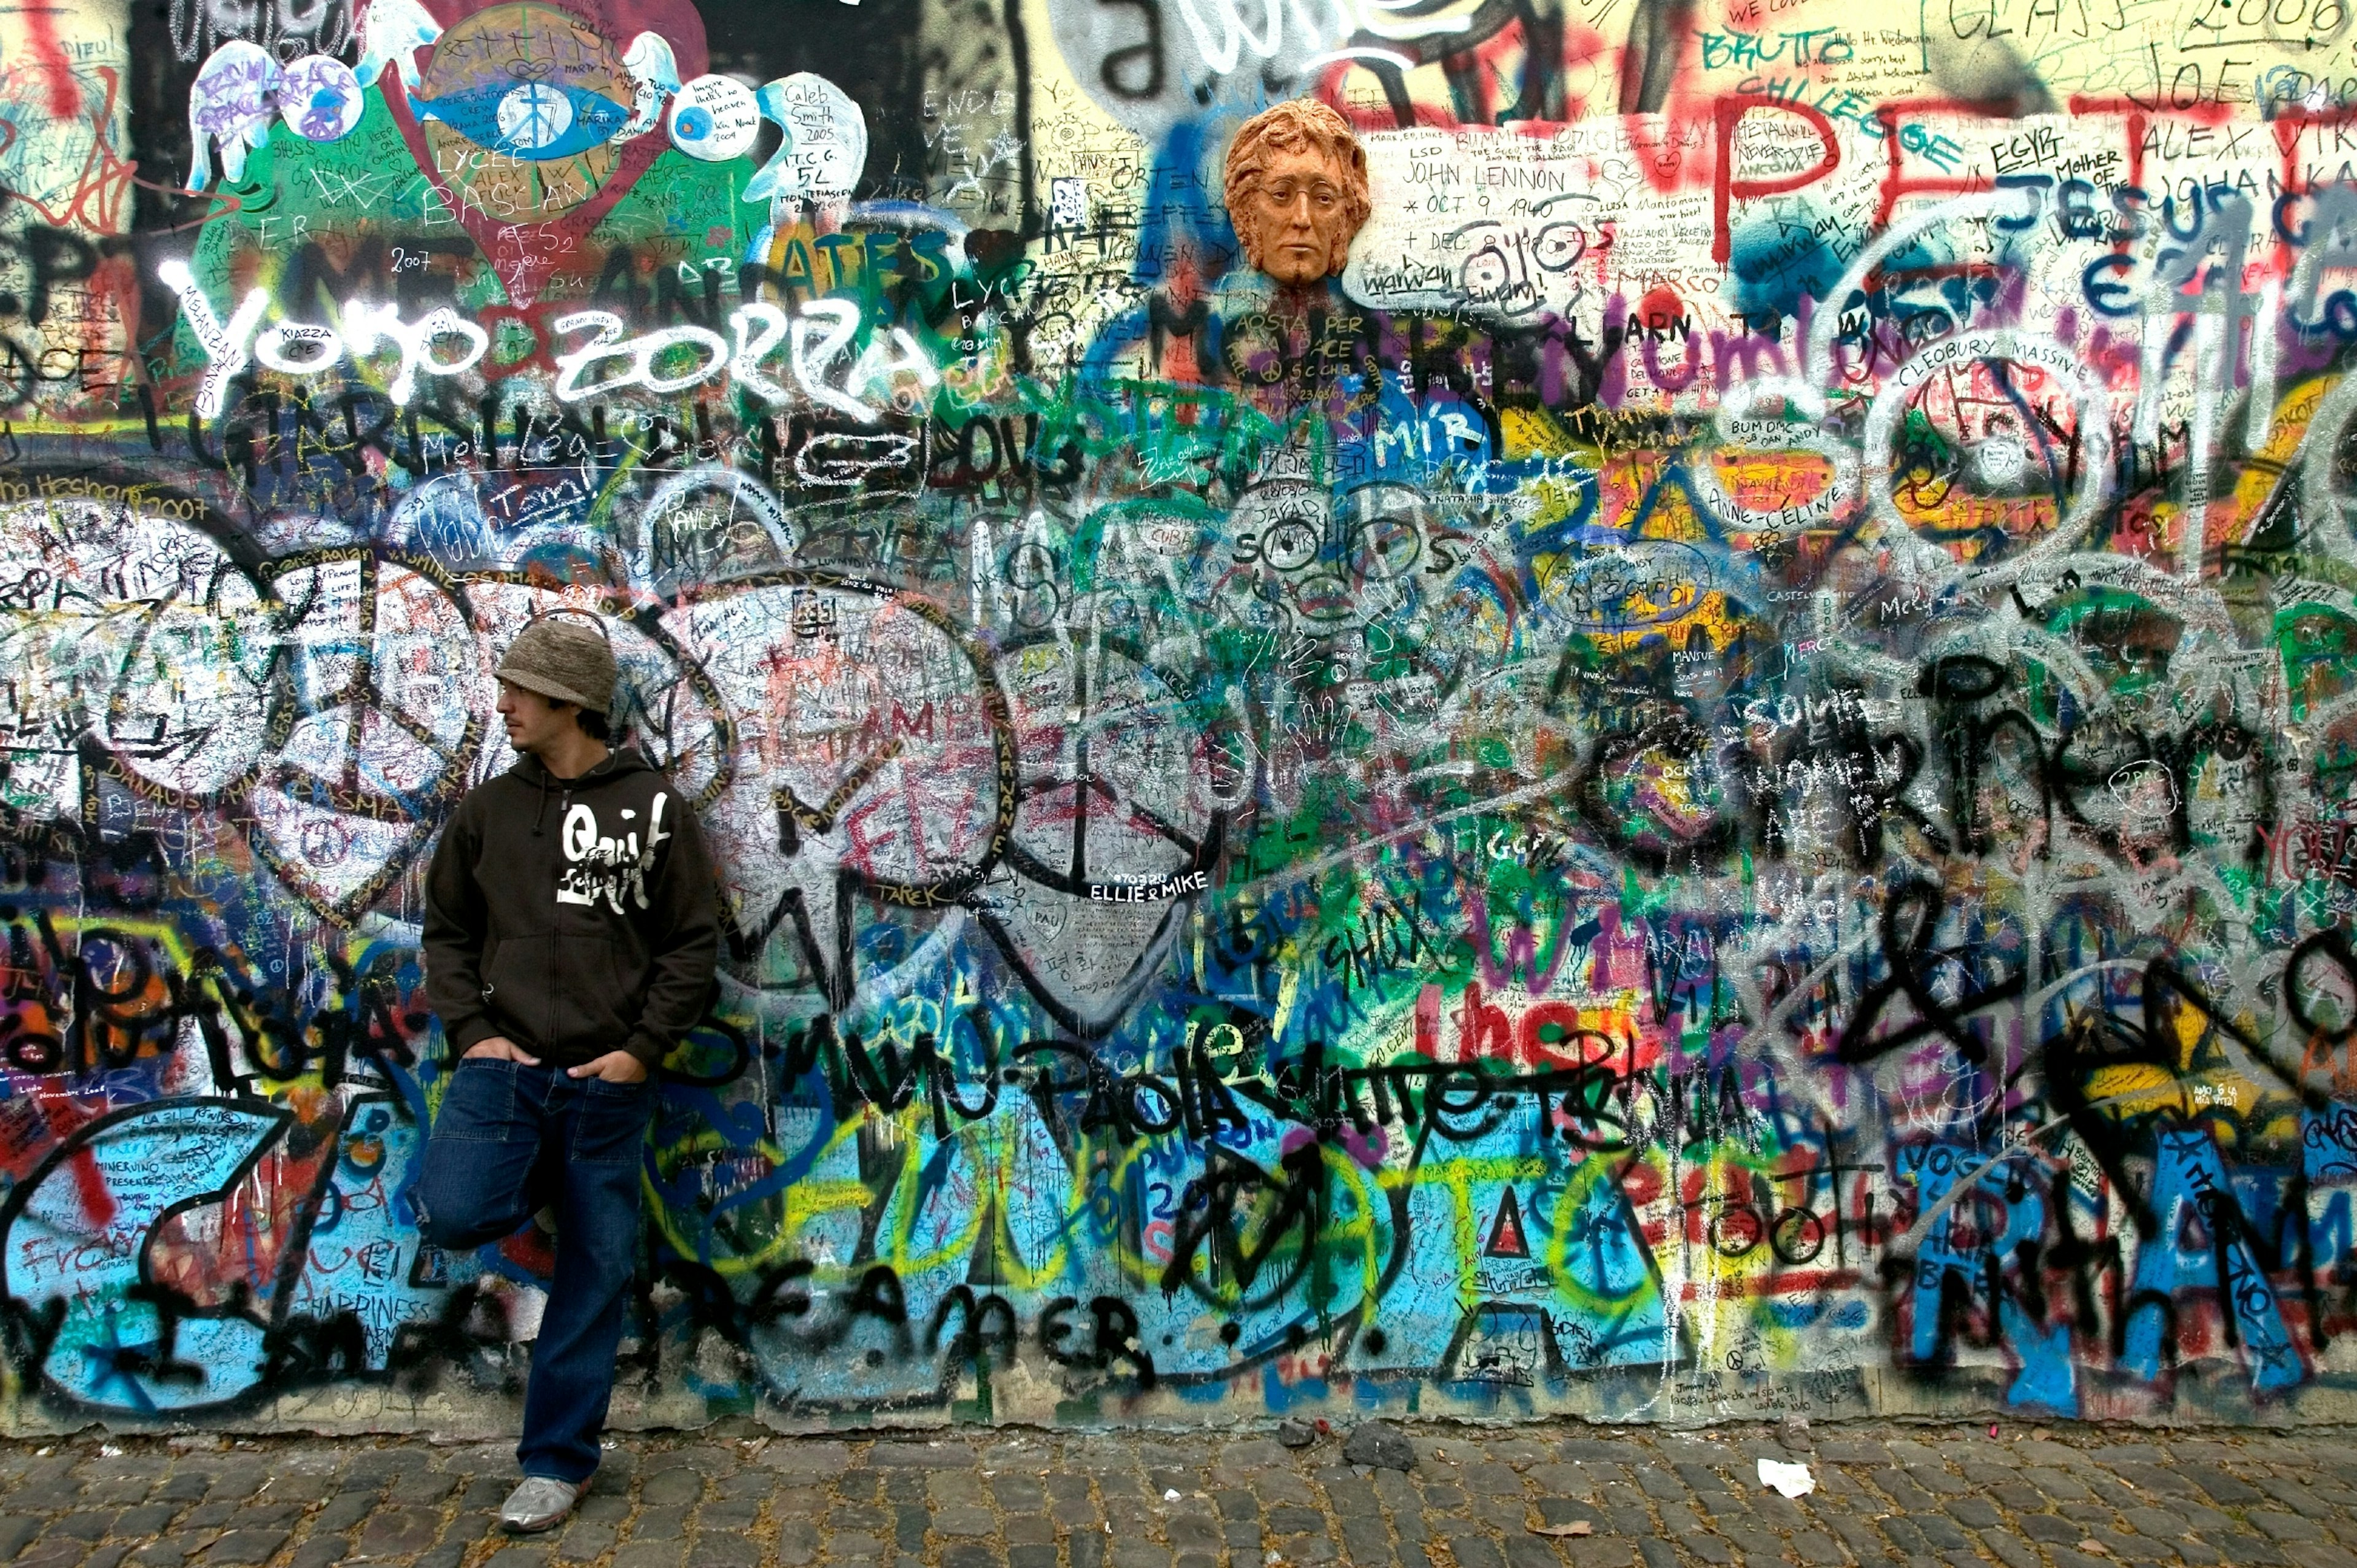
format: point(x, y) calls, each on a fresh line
point(574, 915)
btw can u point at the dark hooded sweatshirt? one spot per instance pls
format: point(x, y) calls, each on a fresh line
point(575, 916)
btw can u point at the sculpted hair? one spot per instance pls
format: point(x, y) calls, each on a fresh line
point(1291, 126)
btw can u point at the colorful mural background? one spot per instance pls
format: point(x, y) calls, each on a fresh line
point(1723, 785)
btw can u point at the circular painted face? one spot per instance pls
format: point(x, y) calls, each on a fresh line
point(1299, 220)
point(521, 103)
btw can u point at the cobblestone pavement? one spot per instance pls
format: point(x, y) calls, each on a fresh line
point(2067, 1496)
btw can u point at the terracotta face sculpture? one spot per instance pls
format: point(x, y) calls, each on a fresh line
point(1297, 191)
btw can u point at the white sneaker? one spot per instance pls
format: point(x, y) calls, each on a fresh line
point(539, 1503)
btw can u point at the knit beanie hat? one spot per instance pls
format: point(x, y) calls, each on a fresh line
point(565, 660)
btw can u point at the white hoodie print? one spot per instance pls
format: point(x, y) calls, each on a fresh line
point(604, 868)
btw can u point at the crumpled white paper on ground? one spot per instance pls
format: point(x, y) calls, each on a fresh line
point(1792, 1480)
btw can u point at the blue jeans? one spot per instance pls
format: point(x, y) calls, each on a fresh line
point(509, 1138)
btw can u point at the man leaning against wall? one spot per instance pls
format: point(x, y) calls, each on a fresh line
point(571, 934)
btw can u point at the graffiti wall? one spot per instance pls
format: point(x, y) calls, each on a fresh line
point(1720, 780)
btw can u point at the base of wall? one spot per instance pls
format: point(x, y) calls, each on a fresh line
point(1033, 1392)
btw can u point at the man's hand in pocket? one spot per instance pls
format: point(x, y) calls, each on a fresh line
point(499, 1047)
point(614, 1067)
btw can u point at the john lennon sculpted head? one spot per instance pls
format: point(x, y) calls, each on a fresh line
point(1296, 190)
